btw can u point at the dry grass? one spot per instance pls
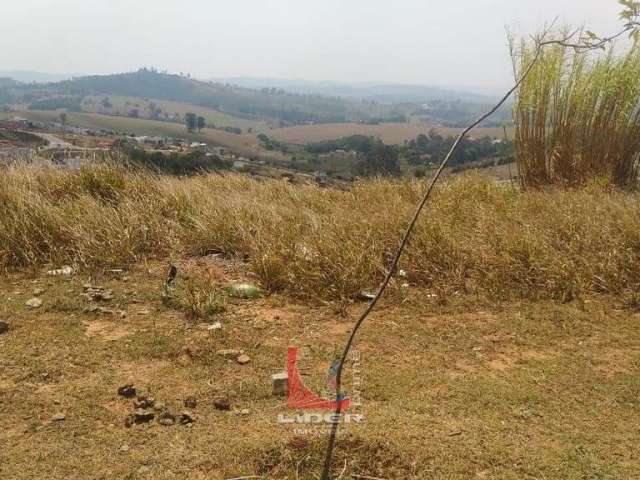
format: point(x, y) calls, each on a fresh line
point(390, 133)
point(471, 388)
point(577, 116)
point(478, 237)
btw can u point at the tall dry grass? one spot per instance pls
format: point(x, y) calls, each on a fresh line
point(577, 116)
point(477, 237)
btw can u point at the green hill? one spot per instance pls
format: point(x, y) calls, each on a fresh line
point(246, 103)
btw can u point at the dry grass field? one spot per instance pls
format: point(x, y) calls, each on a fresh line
point(390, 133)
point(213, 117)
point(478, 237)
point(510, 349)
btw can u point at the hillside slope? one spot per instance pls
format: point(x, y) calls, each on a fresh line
point(244, 102)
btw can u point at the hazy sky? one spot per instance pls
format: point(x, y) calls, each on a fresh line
point(434, 42)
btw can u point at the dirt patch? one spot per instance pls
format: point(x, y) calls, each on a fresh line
point(141, 372)
point(613, 362)
point(107, 331)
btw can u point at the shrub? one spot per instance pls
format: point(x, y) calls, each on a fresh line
point(577, 116)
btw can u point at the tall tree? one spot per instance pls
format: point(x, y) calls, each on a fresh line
point(201, 123)
point(191, 120)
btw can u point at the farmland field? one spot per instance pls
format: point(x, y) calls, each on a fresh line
point(124, 104)
point(390, 133)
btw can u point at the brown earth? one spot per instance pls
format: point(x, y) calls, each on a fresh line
point(452, 388)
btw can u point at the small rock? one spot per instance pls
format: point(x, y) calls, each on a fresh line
point(402, 273)
point(211, 326)
point(222, 403)
point(4, 327)
point(98, 310)
point(245, 412)
point(166, 419)
point(127, 391)
point(143, 401)
point(97, 294)
point(186, 418)
point(159, 406)
point(366, 296)
point(143, 416)
point(65, 270)
point(35, 302)
point(190, 402)
point(243, 359)
point(58, 417)
point(124, 448)
point(38, 291)
point(280, 382)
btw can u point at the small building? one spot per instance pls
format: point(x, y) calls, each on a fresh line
point(199, 147)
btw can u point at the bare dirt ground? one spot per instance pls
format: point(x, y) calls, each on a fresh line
point(452, 388)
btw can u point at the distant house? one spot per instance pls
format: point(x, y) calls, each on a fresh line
point(199, 147)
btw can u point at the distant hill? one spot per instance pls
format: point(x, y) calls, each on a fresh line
point(289, 108)
point(291, 103)
point(385, 93)
point(7, 82)
point(28, 76)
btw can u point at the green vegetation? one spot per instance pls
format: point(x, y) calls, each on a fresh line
point(373, 157)
point(457, 113)
point(433, 148)
point(272, 144)
point(178, 163)
point(190, 119)
point(71, 103)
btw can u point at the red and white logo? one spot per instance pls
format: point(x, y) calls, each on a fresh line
point(300, 397)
